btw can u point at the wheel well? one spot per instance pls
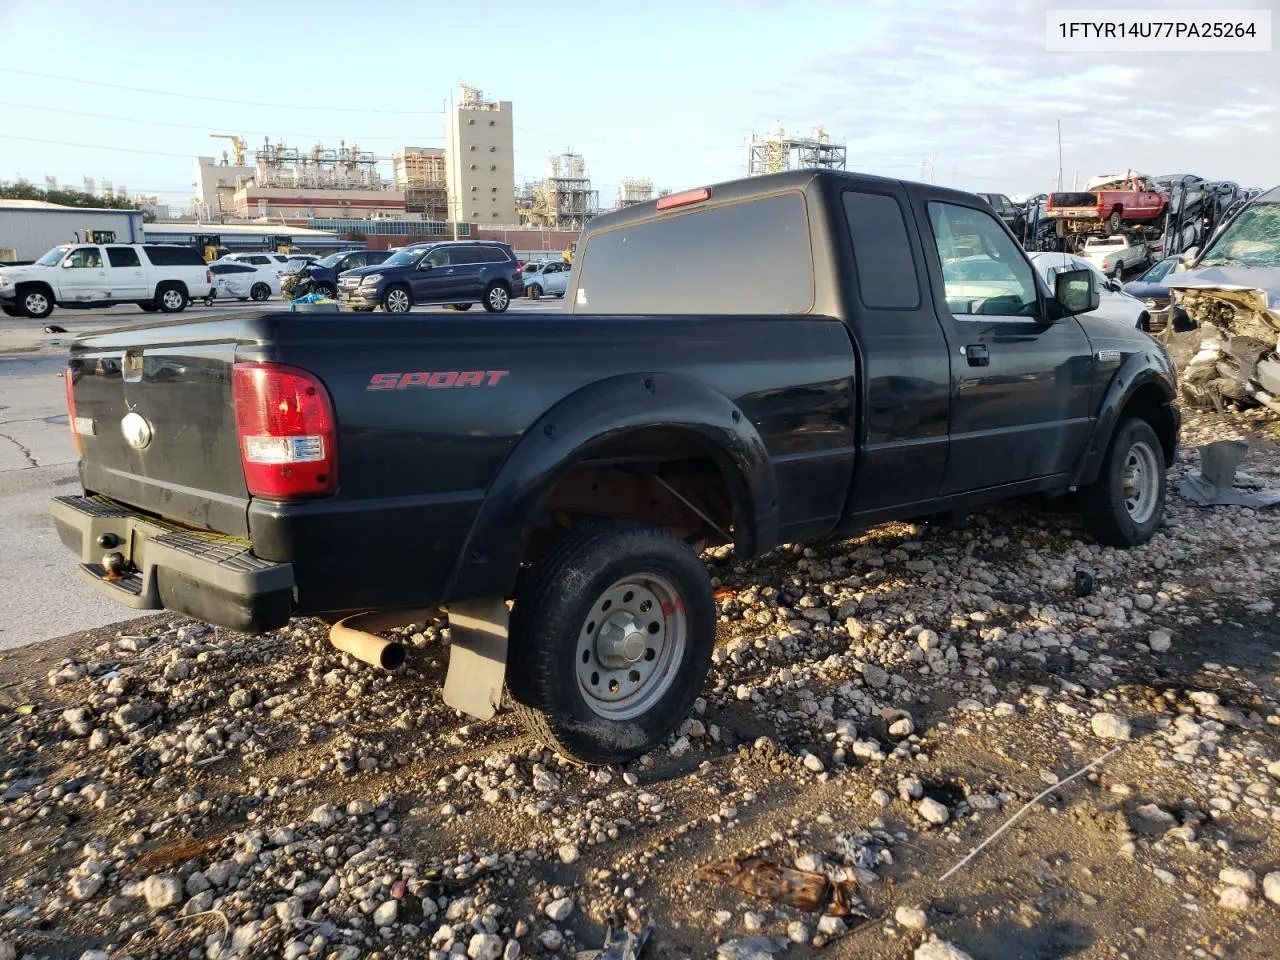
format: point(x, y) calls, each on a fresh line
point(164, 285)
point(1144, 322)
point(30, 285)
point(1150, 403)
point(663, 477)
point(1116, 207)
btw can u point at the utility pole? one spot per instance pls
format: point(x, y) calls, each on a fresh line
point(1059, 154)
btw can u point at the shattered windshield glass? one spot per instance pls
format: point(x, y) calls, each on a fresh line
point(1251, 240)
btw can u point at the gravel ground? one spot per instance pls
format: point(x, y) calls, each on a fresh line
point(876, 709)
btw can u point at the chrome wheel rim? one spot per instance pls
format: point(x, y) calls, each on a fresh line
point(630, 646)
point(1140, 482)
point(172, 299)
point(498, 298)
point(36, 303)
point(260, 292)
point(397, 301)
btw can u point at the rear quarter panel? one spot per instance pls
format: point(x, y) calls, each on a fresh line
point(429, 407)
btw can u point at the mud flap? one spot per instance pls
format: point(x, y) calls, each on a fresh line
point(477, 656)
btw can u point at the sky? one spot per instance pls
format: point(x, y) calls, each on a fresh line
point(962, 92)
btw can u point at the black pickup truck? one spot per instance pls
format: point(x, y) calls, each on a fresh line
point(802, 371)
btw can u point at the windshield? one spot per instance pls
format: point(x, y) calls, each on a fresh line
point(405, 258)
point(1159, 270)
point(1252, 239)
point(52, 257)
point(330, 261)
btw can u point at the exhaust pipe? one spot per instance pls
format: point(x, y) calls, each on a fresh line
point(356, 635)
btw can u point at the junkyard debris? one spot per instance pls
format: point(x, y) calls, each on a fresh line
point(803, 889)
point(1215, 483)
point(620, 945)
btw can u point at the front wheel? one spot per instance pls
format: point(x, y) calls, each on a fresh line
point(610, 641)
point(260, 291)
point(36, 304)
point(497, 298)
point(396, 300)
point(1125, 505)
point(326, 290)
point(535, 291)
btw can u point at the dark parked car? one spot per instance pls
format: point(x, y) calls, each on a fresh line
point(578, 461)
point(1008, 211)
point(322, 276)
point(453, 272)
point(1151, 287)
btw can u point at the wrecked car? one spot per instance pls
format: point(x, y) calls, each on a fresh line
point(1230, 295)
point(1109, 202)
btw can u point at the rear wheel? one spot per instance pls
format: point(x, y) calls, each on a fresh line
point(396, 300)
point(36, 303)
point(1113, 221)
point(1125, 506)
point(171, 298)
point(611, 638)
point(260, 291)
point(497, 298)
point(11, 311)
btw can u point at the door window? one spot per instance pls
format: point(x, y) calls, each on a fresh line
point(85, 257)
point(123, 257)
point(356, 260)
point(438, 258)
point(465, 255)
point(983, 271)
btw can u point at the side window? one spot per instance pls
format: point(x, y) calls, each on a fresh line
point(438, 258)
point(983, 271)
point(243, 268)
point(887, 276)
point(123, 257)
point(218, 269)
point(356, 260)
point(88, 257)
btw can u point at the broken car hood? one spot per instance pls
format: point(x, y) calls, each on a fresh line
point(1254, 288)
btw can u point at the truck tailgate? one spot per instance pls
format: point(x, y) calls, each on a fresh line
point(157, 421)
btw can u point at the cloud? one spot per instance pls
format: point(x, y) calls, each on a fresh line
point(972, 85)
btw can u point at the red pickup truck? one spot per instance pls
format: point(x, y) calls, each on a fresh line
point(1115, 200)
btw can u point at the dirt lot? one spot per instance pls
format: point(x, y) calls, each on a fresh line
point(876, 709)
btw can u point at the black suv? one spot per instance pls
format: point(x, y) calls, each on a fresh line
point(1007, 211)
point(455, 273)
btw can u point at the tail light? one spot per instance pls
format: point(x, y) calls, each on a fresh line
point(69, 383)
point(287, 432)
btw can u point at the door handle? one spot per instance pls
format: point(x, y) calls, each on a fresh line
point(977, 354)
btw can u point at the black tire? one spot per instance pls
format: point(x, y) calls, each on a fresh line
point(326, 290)
point(1114, 221)
point(260, 292)
point(552, 615)
point(35, 302)
point(171, 298)
point(497, 297)
point(11, 311)
point(535, 291)
point(457, 306)
point(148, 307)
point(1107, 514)
point(397, 299)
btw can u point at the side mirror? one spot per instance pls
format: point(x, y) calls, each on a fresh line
point(66, 263)
point(424, 265)
point(1073, 293)
point(1115, 286)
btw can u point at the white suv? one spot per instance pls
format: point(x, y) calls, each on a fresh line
point(155, 276)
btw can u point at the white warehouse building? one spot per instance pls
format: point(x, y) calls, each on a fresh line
point(30, 228)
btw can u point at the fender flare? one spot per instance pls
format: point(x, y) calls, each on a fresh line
point(1135, 373)
point(489, 561)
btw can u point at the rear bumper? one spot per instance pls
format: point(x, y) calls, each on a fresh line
point(207, 576)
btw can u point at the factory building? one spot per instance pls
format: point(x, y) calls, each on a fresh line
point(31, 228)
point(420, 174)
point(480, 154)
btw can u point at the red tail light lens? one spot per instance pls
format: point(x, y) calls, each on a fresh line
point(287, 432)
point(69, 382)
point(684, 198)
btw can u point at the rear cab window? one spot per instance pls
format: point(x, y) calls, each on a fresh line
point(748, 258)
point(887, 274)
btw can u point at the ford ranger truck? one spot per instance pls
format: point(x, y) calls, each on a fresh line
point(251, 468)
